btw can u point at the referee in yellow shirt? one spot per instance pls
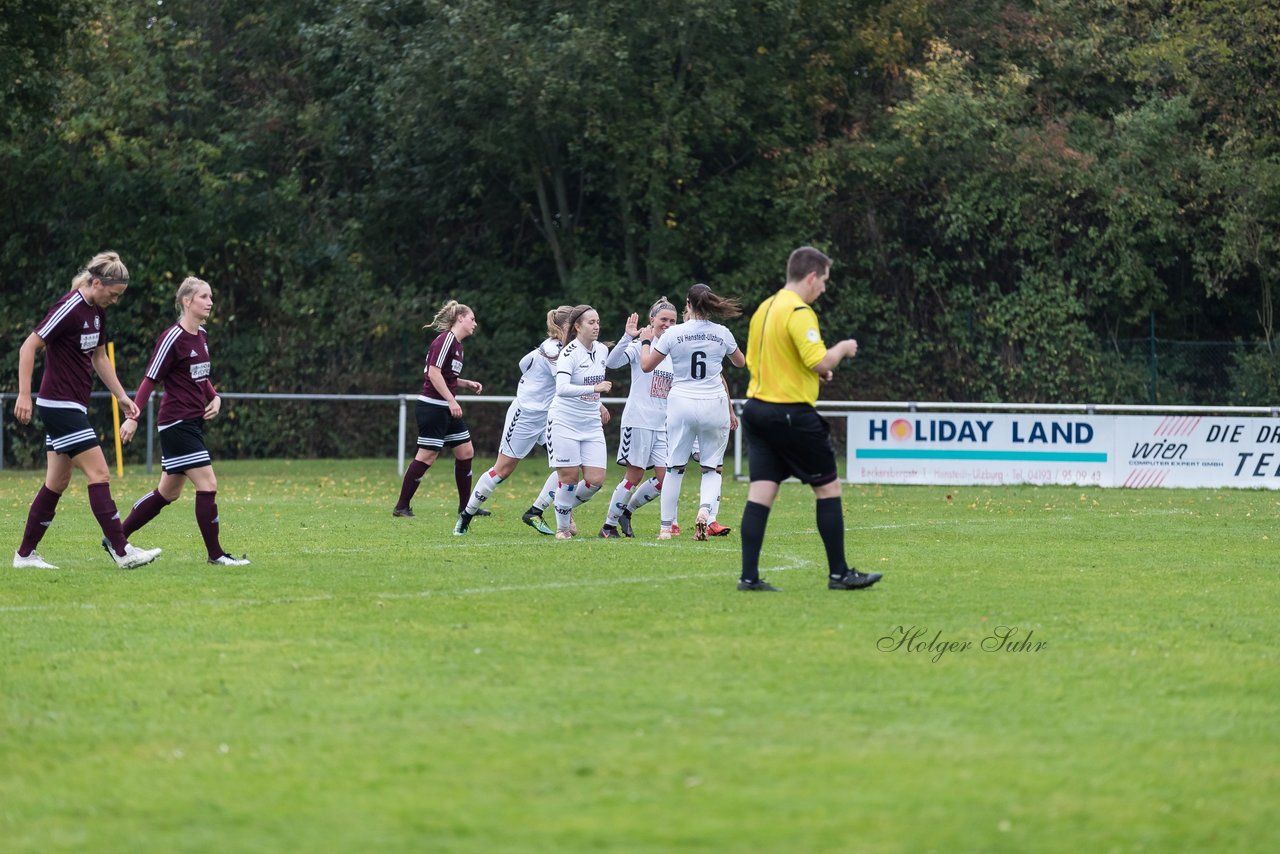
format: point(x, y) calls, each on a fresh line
point(785, 434)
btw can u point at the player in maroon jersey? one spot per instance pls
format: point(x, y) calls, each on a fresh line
point(524, 427)
point(181, 363)
point(74, 338)
point(439, 415)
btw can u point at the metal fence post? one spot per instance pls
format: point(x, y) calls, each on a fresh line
point(400, 443)
point(849, 450)
point(1154, 372)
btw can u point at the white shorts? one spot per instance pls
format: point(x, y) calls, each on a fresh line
point(642, 447)
point(523, 429)
point(572, 450)
point(701, 420)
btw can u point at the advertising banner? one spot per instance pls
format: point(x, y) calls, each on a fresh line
point(979, 448)
point(1187, 450)
point(1085, 450)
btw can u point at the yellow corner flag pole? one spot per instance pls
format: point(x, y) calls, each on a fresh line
point(115, 414)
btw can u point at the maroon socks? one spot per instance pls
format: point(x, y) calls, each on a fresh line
point(462, 477)
point(207, 519)
point(104, 510)
point(39, 518)
point(412, 477)
point(147, 508)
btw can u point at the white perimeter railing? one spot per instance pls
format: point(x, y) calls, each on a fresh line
point(828, 408)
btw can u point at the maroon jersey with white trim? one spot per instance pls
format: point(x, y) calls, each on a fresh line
point(71, 331)
point(181, 362)
point(445, 354)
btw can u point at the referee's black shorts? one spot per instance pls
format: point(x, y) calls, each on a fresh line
point(788, 440)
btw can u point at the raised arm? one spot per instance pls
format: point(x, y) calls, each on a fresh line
point(845, 349)
point(650, 358)
point(619, 356)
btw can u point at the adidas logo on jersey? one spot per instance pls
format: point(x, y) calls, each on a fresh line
point(194, 353)
point(86, 324)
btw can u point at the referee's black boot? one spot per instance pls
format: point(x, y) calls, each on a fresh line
point(759, 585)
point(852, 580)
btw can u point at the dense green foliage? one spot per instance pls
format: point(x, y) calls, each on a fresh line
point(1014, 191)
point(376, 684)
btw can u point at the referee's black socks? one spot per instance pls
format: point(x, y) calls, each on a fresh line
point(831, 529)
point(755, 517)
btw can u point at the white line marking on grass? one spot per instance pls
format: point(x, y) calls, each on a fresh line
point(449, 547)
point(794, 563)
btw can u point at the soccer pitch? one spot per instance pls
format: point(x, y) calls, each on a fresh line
point(376, 684)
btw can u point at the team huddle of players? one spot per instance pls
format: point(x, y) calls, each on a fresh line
point(677, 409)
point(678, 403)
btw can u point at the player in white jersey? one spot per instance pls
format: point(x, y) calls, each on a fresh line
point(642, 442)
point(698, 407)
point(714, 528)
point(525, 426)
point(574, 429)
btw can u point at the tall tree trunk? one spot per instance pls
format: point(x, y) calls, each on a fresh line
point(549, 229)
point(630, 256)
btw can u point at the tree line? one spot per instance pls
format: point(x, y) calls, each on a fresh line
point(1014, 192)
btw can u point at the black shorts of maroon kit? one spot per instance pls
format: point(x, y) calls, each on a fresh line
point(438, 428)
point(67, 431)
point(788, 440)
point(182, 447)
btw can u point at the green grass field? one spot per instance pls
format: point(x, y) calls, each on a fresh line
point(376, 684)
